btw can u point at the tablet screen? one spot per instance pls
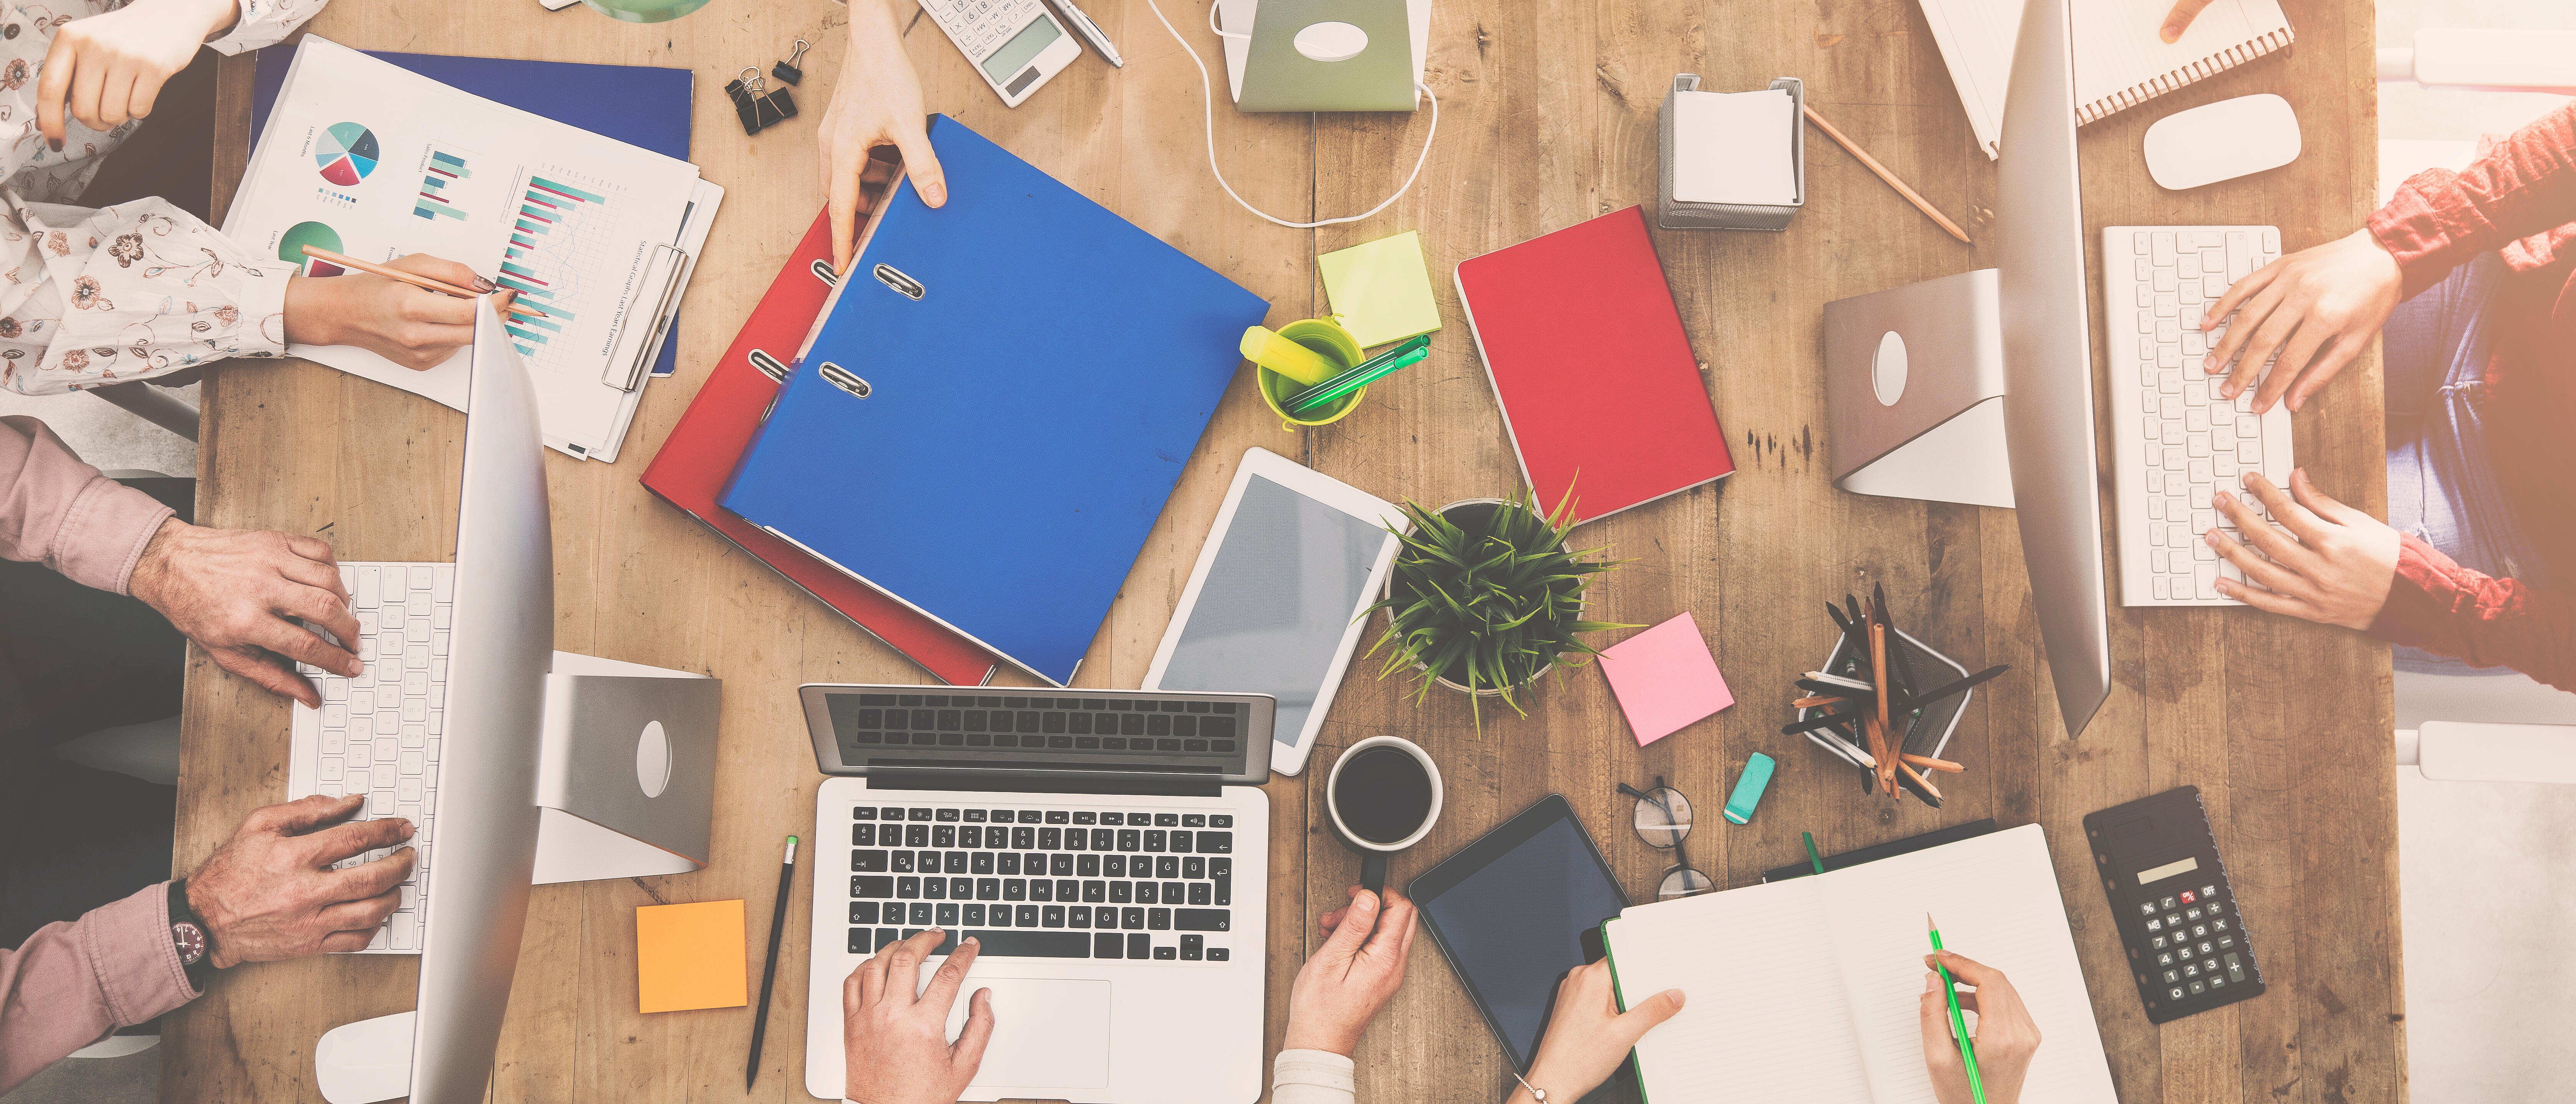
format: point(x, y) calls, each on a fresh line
point(1289, 574)
point(1513, 926)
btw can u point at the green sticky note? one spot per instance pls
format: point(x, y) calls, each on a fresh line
point(1381, 289)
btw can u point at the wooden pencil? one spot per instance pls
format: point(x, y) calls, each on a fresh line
point(1911, 196)
point(1878, 724)
point(1929, 763)
point(440, 286)
point(1918, 779)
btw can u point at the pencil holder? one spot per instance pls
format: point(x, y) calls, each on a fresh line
point(1326, 337)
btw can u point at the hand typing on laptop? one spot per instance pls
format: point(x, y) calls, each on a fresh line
point(233, 590)
point(2005, 1036)
point(1587, 1036)
point(896, 1043)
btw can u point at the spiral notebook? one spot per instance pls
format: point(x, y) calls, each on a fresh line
point(2121, 59)
point(1810, 989)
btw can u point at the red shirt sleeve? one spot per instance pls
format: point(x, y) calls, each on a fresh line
point(2441, 607)
point(2525, 185)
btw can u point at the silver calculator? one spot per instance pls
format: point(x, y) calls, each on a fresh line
point(1016, 45)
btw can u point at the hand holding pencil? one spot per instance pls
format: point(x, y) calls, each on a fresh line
point(416, 310)
point(2005, 1039)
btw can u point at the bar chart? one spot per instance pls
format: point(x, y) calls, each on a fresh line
point(446, 169)
point(554, 238)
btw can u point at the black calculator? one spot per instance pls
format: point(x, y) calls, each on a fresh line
point(2178, 914)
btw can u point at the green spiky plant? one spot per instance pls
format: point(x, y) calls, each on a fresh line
point(1487, 605)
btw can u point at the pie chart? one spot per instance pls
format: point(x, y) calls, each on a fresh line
point(347, 153)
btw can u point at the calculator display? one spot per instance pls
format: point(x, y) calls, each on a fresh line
point(2184, 866)
point(1025, 45)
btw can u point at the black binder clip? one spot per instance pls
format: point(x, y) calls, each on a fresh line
point(767, 110)
point(787, 70)
point(743, 105)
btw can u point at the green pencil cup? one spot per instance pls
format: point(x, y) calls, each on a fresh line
point(1326, 337)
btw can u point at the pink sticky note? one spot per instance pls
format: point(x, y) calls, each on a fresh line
point(1665, 679)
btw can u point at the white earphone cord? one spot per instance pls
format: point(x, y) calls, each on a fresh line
point(1207, 98)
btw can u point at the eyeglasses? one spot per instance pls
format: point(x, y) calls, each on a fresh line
point(1664, 821)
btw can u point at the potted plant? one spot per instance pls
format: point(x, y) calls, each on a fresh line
point(1484, 597)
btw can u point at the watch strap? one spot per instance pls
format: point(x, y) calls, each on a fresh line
point(203, 969)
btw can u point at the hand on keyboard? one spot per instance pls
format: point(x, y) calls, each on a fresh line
point(2339, 569)
point(2316, 309)
point(232, 590)
point(896, 1045)
point(270, 891)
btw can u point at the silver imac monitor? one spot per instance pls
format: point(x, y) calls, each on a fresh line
point(500, 650)
point(2048, 362)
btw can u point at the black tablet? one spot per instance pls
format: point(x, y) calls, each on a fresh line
point(1510, 913)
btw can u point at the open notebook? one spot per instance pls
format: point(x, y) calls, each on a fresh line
point(2121, 57)
point(1809, 989)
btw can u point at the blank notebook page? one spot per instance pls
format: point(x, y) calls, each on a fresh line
point(1764, 1019)
point(1997, 900)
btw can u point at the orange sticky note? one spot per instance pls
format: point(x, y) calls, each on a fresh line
point(690, 956)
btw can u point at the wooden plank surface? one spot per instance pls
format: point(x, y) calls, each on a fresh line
point(1548, 118)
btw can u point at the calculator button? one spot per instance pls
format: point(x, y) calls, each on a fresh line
point(2208, 891)
point(2172, 976)
point(2176, 993)
point(2165, 959)
point(2199, 930)
point(2211, 907)
point(2206, 948)
point(2173, 919)
point(2189, 896)
point(2191, 969)
point(2169, 902)
point(2158, 942)
point(2217, 983)
point(2226, 941)
point(2219, 925)
point(2197, 988)
point(2235, 970)
point(2147, 909)
point(2155, 925)
point(2191, 914)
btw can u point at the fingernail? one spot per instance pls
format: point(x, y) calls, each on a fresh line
point(2212, 537)
point(2172, 33)
point(1931, 983)
point(971, 941)
point(1366, 901)
point(481, 284)
point(57, 144)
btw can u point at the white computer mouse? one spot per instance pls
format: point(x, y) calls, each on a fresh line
point(2222, 141)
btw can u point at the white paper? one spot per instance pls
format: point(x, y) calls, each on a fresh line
point(476, 165)
point(2119, 44)
point(1733, 147)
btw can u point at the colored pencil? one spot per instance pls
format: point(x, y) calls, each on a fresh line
point(1812, 860)
point(440, 286)
point(1929, 763)
point(1958, 1023)
point(1911, 196)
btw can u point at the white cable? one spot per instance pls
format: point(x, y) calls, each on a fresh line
point(1207, 97)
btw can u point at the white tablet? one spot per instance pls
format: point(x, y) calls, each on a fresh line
point(1273, 605)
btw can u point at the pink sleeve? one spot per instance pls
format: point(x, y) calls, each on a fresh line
point(2444, 608)
point(73, 982)
point(60, 512)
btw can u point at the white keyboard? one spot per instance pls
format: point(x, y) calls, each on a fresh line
point(2175, 442)
point(377, 734)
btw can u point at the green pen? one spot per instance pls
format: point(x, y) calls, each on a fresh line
point(1958, 1023)
point(1812, 860)
point(1367, 372)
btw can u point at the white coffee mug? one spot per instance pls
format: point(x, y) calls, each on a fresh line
point(1381, 820)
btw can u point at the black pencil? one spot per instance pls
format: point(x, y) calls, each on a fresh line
point(769, 973)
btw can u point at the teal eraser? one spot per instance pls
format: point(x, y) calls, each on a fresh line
point(1748, 788)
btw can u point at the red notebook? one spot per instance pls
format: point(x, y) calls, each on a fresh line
point(691, 468)
point(1599, 390)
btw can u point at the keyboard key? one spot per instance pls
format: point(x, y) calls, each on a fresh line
point(907, 887)
point(1164, 953)
point(878, 886)
point(948, 917)
point(1131, 918)
point(1025, 916)
point(920, 915)
point(1051, 916)
point(1140, 946)
point(1205, 920)
point(1193, 948)
point(1015, 889)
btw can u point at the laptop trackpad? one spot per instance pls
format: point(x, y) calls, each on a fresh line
point(1051, 1032)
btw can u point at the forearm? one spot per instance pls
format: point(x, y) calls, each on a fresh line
point(129, 292)
point(2441, 607)
point(2525, 185)
point(73, 982)
point(1311, 1077)
point(60, 512)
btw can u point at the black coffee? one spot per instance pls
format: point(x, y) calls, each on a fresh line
point(1383, 795)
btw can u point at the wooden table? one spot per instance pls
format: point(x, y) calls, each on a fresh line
point(1549, 118)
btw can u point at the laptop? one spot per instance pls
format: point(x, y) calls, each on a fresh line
point(1108, 848)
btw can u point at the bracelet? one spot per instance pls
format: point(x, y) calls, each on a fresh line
point(1536, 1093)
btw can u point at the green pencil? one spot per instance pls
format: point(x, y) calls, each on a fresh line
point(1812, 860)
point(1958, 1023)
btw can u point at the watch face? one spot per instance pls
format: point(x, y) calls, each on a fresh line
point(190, 940)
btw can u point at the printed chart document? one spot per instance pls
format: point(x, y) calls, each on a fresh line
point(1817, 982)
point(367, 159)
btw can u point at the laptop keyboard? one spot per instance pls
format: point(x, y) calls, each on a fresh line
point(1045, 883)
point(1106, 726)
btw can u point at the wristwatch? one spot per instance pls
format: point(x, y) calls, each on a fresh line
point(195, 945)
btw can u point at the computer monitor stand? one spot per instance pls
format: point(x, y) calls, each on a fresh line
point(625, 788)
point(1914, 389)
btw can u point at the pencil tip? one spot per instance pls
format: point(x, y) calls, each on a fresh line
point(1928, 925)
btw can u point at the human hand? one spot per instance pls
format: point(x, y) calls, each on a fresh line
point(2318, 308)
point(269, 893)
point(2338, 571)
point(110, 67)
point(875, 126)
point(409, 325)
point(232, 590)
point(2005, 1037)
point(1351, 977)
point(1587, 1036)
point(895, 1047)
point(2179, 19)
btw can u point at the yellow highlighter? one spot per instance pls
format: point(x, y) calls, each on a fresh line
point(1286, 357)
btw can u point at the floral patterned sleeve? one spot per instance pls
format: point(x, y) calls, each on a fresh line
point(264, 23)
point(90, 297)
